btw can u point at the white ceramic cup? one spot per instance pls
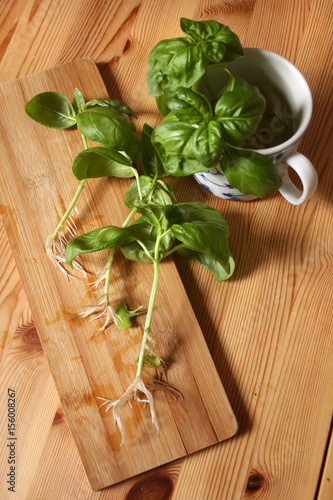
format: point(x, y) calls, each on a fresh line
point(285, 88)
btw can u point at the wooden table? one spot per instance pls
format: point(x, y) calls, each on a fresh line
point(268, 329)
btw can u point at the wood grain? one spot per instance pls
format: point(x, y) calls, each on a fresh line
point(269, 329)
point(34, 186)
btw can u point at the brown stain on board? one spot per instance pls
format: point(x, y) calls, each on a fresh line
point(60, 315)
point(76, 400)
point(8, 215)
point(90, 220)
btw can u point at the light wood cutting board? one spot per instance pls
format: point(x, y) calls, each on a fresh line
point(36, 185)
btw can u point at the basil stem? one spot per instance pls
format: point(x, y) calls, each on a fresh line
point(74, 200)
point(110, 260)
point(149, 312)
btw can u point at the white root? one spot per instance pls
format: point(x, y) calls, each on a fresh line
point(97, 311)
point(55, 250)
point(132, 393)
point(129, 395)
point(102, 276)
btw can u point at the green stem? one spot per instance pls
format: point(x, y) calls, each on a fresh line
point(113, 250)
point(111, 256)
point(74, 200)
point(174, 249)
point(125, 224)
point(69, 209)
point(149, 315)
point(129, 217)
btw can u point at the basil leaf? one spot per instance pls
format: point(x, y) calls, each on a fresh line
point(250, 172)
point(155, 215)
point(188, 105)
point(234, 82)
point(112, 103)
point(205, 144)
point(52, 110)
point(239, 112)
point(162, 105)
point(98, 239)
point(101, 162)
point(167, 188)
point(170, 117)
point(206, 240)
point(173, 63)
point(150, 161)
point(147, 234)
point(79, 100)
point(200, 212)
point(177, 165)
point(220, 273)
point(217, 41)
point(150, 194)
point(110, 128)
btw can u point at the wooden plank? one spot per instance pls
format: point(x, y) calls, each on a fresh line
point(36, 183)
point(39, 34)
point(325, 490)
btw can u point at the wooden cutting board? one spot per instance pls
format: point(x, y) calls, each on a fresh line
point(36, 185)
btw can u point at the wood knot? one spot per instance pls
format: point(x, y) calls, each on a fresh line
point(58, 417)
point(29, 336)
point(255, 482)
point(127, 46)
point(153, 487)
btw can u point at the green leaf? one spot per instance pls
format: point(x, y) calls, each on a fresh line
point(188, 105)
point(206, 240)
point(155, 215)
point(151, 360)
point(147, 234)
point(178, 165)
point(200, 212)
point(203, 144)
point(102, 162)
point(51, 109)
point(123, 317)
point(79, 100)
point(173, 63)
point(153, 194)
point(150, 161)
point(250, 172)
point(106, 126)
point(167, 188)
point(239, 111)
point(98, 239)
point(112, 103)
point(206, 144)
point(234, 83)
point(217, 41)
point(220, 273)
point(173, 136)
point(162, 105)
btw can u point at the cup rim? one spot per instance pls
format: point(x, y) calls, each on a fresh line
point(296, 137)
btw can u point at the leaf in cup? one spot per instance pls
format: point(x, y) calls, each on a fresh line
point(250, 172)
point(239, 111)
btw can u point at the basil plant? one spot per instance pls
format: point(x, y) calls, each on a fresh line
point(196, 133)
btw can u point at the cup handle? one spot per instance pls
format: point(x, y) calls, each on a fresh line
point(307, 174)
